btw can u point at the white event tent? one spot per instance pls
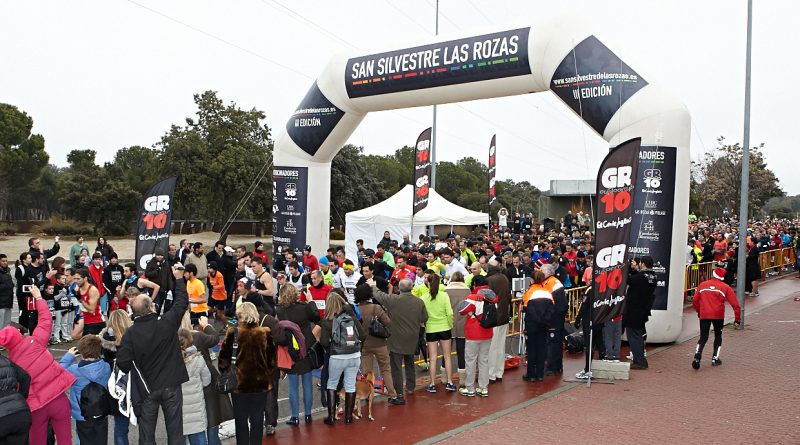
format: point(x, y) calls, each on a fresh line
point(394, 215)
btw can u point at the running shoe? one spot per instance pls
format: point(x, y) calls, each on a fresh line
point(449, 387)
point(466, 392)
point(483, 392)
point(716, 362)
point(583, 375)
point(696, 362)
point(431, 389)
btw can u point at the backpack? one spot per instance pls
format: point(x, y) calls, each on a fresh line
point(95, 401)
point(489, 319)
point(344, 335)
point(574, 342)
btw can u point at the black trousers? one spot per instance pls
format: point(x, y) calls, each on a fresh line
point(705, 325)
point(537, 349)
point(461, 346)
point(14, 428)
point(93, 432)
point(249, 408)
point(397, 361)
point(598, 342)
point(271, 417)
point(161, 302)
point(170, 400)
point(555, 348)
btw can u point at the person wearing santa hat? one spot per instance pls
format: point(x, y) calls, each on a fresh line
point(709, 302)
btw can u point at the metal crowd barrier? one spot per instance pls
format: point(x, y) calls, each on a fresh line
point(776, 259)
point(771, 262)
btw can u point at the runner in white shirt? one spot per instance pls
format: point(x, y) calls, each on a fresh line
point(347, 279)
point(451, 265)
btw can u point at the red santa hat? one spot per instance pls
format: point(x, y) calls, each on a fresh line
point(719, 273)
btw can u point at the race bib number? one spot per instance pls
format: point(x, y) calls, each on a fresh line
point(320, 304)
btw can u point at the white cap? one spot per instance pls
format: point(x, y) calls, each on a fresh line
point(229, 249)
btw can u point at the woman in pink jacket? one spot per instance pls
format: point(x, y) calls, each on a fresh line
point(49, 381)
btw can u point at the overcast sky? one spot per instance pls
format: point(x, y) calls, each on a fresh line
point(108, 74)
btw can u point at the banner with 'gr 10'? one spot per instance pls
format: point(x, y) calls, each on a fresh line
point(154, 221)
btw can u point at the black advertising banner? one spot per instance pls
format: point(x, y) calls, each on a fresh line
point(471, 59)
point(154, 221)
point(594, 82)
point(492, 165)
point(653, 205)
point(615, 193)
point(422, 170)
point(313, 121)
point(290, 207)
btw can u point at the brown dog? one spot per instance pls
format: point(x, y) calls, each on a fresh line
point(365, 390)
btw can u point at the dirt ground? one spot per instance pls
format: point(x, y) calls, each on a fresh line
point(15, 245)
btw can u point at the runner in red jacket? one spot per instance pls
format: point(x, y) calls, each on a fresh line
point(709, 302)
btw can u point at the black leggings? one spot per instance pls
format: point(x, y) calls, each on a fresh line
point(705, 325)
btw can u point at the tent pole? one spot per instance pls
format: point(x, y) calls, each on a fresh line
point(411, 234)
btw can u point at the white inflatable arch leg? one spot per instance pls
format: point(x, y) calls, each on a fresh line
point(609, 96)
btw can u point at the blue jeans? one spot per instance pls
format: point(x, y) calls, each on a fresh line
point(636, 343)
point(197, 438)
point(121, 425)
point(213, 435)
point(348, 366)
point(294, 393)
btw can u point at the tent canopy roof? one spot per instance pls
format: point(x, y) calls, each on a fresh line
point(397, 209)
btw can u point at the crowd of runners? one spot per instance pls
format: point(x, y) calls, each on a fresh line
point(207, 334)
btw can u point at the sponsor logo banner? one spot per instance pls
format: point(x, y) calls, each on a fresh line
point(289, 208)
point(154, 221)
point(653, 205)
point(492, 171)
point(615, 193)
point(422, 170)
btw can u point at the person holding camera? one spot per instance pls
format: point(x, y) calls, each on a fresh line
point(305, 315)
point(35, 245)
point(47, 397)
point(150, 352)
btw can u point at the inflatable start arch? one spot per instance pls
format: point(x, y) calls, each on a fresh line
point(594, 82)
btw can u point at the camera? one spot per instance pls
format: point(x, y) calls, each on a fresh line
point(27, 288)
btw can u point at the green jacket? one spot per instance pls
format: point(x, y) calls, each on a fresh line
point(440, 312)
